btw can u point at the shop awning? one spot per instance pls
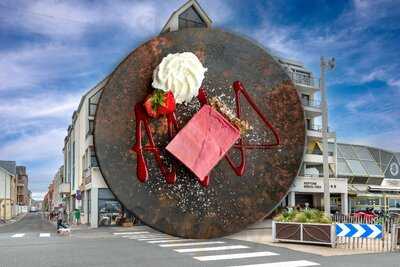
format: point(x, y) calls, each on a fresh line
point(383, 189)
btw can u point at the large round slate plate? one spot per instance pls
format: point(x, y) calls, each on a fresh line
point(231, 202)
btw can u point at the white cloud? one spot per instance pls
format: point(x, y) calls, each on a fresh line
point(50, 105)
point(38, 195)
point(40, 146)
point(394, 82)
point(383, 139)
point(32, 65)
point(360, 102)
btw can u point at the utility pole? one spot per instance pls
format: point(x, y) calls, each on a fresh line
point(325, 65)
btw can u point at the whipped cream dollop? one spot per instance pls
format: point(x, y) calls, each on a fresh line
point(181, 73)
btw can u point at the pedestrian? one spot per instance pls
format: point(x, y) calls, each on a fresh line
point(78, 216)
point(60, 219)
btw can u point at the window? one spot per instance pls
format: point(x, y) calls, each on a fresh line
point(347, 152)
point(191, 19)
point(362, 153)
point(93, 100)
point(91, 127)
point(342, 168)
point(109, 208)
point(93, 158)
point(372, 168)
point(356, 167)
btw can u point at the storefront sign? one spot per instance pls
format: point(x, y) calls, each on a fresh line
point(316, 185)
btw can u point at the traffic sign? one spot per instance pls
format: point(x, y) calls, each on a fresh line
point(374, 231)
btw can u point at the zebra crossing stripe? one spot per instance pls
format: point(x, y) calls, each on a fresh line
point(236, 256)
point(146, 237)
point(154, 238)
point(44, 235)
point(192, 244)
point(301, 263)
point(131, 233)
point(168, 241)
point(18, 235)
point(185, 250)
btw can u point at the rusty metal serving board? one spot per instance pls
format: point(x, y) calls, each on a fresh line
point(230, 203)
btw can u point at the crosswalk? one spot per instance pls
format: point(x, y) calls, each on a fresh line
point(222, 251)
point(24, 235)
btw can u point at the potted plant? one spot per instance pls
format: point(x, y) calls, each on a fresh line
point(305, 226)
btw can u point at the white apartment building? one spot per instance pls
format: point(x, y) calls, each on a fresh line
point(308, 186)
point(83, 185)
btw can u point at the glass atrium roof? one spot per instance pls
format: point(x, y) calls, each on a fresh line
point(358, 161)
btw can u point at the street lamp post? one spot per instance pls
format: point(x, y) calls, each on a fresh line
point(325, 65)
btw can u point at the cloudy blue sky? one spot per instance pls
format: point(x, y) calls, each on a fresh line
point(52, 51)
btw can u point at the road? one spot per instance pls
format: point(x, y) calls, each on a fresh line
point(32, 222)
point(34, 242)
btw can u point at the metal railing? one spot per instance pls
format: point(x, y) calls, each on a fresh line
point(304, 79)
point(316, 127)
point(311, 103)
point(390, 240)
point(309, 175)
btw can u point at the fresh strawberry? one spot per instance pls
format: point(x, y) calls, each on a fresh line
point(148, 105)
point(159, 103)
point(168, 105)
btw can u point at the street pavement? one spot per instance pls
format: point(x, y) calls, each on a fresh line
point(33, 241)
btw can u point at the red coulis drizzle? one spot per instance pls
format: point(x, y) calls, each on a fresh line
point(142, 119)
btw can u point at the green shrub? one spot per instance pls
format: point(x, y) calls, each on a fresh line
point(304, 216)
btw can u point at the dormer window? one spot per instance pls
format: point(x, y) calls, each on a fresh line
point(191, 19)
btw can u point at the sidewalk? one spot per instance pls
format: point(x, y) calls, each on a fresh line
point(14, 220)
point(262, 233)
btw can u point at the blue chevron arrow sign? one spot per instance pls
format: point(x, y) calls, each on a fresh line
point(374, 231)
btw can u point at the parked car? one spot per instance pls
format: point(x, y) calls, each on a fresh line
point(33, 209)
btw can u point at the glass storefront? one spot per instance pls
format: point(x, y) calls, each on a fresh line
point(361, 203)
point(109, 208)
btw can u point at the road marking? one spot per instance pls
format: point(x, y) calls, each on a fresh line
point(145, 236)
point(185, 250)
point(17, 235)
point(169, 241)
point(191, 244)
point(236, 256)
point(44, 235)
point(154, 238)
point(131, 233)
point(301, 263)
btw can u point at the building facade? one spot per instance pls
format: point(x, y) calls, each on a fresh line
point(23, 198)
point(373, 176)
point(8, 190)
point(308, 187)
point(83, 186)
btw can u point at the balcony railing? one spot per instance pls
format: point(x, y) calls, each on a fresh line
point(316, 127)
point(311, 103)
point(308, 175)
point(302, 79)
point(310, 151)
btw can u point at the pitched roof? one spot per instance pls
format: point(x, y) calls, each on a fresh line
point(190, 3)
point(9, 166)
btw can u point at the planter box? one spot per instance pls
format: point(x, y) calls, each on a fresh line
point(304, 233)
